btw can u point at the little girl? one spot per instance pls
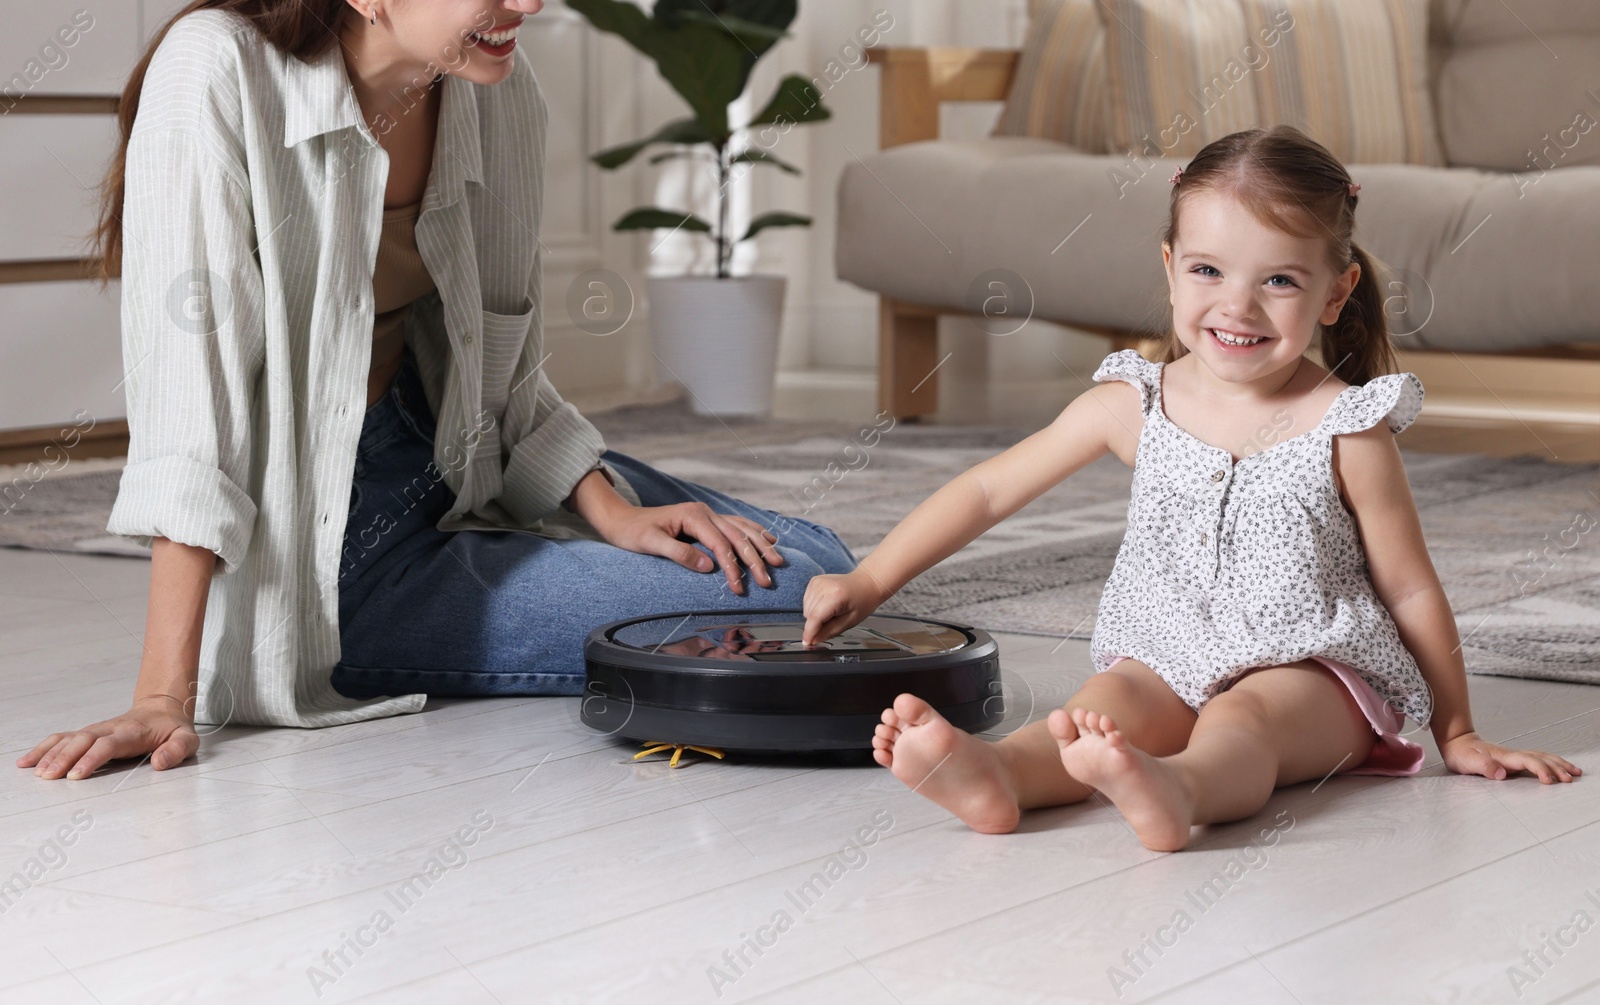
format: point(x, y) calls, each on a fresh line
point(1272, 613)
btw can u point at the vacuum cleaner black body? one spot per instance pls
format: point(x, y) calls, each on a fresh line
point(742, 680)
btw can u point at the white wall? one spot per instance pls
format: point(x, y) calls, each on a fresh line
point(59, 343)
point(842, 329)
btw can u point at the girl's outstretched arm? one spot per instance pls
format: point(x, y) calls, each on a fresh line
point(1373, 478)
point(965, 507)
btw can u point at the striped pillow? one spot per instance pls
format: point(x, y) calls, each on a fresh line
point(1059, 91)
point(1352, 75)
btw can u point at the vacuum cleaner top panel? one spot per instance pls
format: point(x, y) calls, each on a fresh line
point(773, 637)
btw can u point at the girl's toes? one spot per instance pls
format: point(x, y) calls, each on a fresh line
point(913, 711)
point(1061, 726)
point(883, 757)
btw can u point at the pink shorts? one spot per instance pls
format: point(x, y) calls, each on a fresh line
point(1392, 754)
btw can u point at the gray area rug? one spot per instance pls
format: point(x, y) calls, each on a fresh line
point(1516, 541)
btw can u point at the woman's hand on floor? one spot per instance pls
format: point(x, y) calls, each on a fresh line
point(155, 725)
point(834, 603)
point(656, 530)
point(1471, 754)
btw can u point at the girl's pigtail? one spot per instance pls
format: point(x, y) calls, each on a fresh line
point(1356, 346)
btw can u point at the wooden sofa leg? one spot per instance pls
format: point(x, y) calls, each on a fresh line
point(908, 353)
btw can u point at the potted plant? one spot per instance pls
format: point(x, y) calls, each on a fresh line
point(718, 335)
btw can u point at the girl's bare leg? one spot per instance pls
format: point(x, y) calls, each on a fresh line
point(1275, 727)
point(988, 784)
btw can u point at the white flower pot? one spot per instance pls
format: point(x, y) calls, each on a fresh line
point(719, 338)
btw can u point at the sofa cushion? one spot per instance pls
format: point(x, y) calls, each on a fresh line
point(1353, 75)
point(1059, 91)
point(1490, 266)
point(1520, 90)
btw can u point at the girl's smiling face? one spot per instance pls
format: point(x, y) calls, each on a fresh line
point(1232, 273)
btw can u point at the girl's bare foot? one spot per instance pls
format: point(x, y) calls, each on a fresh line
point(952, 767)
point(1149, 793)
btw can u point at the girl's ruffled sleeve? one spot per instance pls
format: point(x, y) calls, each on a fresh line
point(1394, 397)
point(1128, 365)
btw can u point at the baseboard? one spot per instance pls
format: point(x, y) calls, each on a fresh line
point(52, 446)
point(1486, 388)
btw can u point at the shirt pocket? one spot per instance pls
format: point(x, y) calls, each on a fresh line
point(505, 335)
point(505, 340)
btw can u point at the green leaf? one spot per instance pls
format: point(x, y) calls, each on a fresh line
point(619, 18)
point(673, 155)
point(681, 131)
point(770, 14)
point(766, 220)
point(757, 156)
point(651, 218)
point(796, 100)
point(706, 66)
point(757, 36)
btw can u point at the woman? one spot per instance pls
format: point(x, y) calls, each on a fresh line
point(331, 206)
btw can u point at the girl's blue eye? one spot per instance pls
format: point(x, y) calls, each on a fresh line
point(1213, 269)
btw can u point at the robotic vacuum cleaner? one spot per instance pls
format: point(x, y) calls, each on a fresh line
point(742, 680)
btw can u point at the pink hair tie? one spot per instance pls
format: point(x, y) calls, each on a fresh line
point(1176, 175)
point(1354, 188)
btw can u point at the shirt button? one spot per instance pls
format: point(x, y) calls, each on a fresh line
point(1202, 538)
point(1218, 475)
point(469, 340)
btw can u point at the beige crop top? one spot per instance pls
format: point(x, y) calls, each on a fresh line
point(398, 278)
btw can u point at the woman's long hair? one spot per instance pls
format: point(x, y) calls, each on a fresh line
point(302, 28)
point(1291, 182)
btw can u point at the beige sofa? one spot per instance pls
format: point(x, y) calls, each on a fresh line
point(1499, 259)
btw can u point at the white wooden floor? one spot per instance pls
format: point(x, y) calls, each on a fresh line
point(273, 868)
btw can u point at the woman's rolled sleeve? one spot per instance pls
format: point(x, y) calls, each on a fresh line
point(192, 346)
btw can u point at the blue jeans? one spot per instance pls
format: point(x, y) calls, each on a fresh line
point(504, 612)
